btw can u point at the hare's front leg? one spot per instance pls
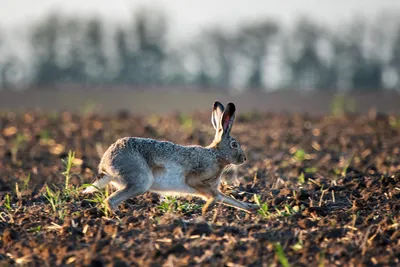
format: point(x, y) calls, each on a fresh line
point(209, 204)
point(134, 182)
point(215, 196)
point(236, 203)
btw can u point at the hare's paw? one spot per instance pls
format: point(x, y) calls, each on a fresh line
point(88, 190)
point(252, 207)
point(110, 206)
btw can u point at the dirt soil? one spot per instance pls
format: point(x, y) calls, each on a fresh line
point(329, 188)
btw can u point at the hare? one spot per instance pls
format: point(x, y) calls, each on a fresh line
point(136, 165)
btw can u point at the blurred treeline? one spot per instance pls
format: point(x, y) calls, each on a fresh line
point(259, 55)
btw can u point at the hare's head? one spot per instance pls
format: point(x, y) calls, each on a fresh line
point(228, 147)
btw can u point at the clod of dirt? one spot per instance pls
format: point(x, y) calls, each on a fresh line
point(201, 228)
point(9, 236)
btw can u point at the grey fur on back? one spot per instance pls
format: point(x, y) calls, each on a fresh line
point(120, 155)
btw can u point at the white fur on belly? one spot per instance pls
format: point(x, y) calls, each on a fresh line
point(171, 181)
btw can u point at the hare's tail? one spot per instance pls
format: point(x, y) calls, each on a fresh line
point(101, 181)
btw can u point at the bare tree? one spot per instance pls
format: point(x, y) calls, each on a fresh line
point(302, 57)
point(44, 39)
point(96, 61)
point(215, 52)
point(254, 41)
point(395, 56)
point(142, 57)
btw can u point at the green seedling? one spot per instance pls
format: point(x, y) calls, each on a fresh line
point(68, 164)
point(311, 170)
point(302, 179)
point(168, 204)
point(45, 135)
point(99, 198)
point(157, 219)
point(281, 255)
point(394, 122)
point(54, 198)
point(76, 213)
point(56, 201)
point(18, 142)
point(25, 181)
point(36, 229)
point(345, 165)
point(300, 155)
point(298, 245)
point(172, 204)
point(73, 191)
point(287, 210)
point(321, 259)
point(263, 210)
point(186, 207)
point(61, 213)
point(25, 184)
point(7, 202)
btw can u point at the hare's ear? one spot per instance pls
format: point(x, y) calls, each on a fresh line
point(228, 118)
point(216, 114)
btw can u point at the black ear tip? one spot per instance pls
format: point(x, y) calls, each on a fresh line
point(216, 104)
point(231, 106)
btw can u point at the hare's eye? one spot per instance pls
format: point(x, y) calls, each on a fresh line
point(234, 144)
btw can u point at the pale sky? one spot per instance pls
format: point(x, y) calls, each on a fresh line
point(187, 16)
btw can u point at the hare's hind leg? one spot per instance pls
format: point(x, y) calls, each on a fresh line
point(134, 182)
point(101, 181)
